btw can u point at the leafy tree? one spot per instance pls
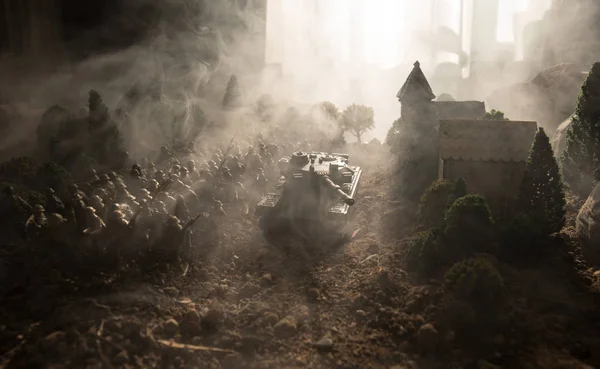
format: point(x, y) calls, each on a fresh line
point(357, 119)
point(98, 112)
point(582, 150)
point(393, 132)
point(233, 94)
point(469, 225)
point(494, 115)
point(541, 195)
point(330, 111)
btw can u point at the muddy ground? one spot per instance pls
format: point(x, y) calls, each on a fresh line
point(256, 305)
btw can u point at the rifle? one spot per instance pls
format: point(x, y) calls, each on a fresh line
point(193, 220)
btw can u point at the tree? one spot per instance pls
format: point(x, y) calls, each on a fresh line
point(541, 195)
point(582, 150)
point(330, 111)
point(494, 115)
point(98, 112)
point(357, 119)
point(233, 94)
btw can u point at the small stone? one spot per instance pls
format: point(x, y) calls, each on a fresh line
point(271, 318)
point(285, 328)
point(170, 327)
point(325, 344)
point(53, 339)
point(266, 280)
point(121, 358)
point(232, 361)
point(428, 337)
point(171, 291)
point(249, 289)
point(312, 295)
point(361, 314)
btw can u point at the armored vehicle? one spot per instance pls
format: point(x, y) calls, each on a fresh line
point(313, 198)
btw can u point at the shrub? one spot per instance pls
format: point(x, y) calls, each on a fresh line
point(475, 280)
point(434, 203)
point(469, 225)
point(494, 115)
point(423, 254)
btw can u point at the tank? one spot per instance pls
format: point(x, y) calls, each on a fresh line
point(313, 198)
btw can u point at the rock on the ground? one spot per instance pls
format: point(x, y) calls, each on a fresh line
point(170, 327)
point(271, 318)
point(428, 337)
point(325, 344)
point(249, 289)
point(190, 324)
point(232, 361)
point(285, 328)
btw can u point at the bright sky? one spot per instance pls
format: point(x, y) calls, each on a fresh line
point(376, 26)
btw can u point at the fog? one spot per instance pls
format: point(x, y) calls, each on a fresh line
point(344, 51)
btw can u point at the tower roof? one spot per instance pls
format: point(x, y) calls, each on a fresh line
point(416, 86)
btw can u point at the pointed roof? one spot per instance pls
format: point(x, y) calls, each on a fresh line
point(416, 86)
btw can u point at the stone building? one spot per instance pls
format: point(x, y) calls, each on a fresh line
point(490, 155)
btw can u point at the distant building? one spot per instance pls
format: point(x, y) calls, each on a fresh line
point(489, 155)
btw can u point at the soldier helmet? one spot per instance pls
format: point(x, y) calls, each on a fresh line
point(104, 177)
point(50, 190)
point(136, 167)
point(90, 209)
point(38, 209)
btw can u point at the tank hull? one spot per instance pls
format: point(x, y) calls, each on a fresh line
point(314, 205)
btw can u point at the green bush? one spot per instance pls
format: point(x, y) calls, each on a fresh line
point(469, 226)
point(494, 115)
point(475, 280)
point(434, 203)
point(424, 254)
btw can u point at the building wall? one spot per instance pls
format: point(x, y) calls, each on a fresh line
point(498, 182)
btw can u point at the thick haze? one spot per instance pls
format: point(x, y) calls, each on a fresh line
point(343, 51)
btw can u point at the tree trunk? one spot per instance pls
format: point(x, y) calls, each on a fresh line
point(358, 136)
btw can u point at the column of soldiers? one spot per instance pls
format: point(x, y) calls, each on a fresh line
point(162, 210)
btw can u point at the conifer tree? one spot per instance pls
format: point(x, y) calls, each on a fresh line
point(233, 94)
point(582, 151)
point(541, 194)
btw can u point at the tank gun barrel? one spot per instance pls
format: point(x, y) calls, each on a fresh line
point(347, 199)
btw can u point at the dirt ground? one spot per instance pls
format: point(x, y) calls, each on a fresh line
point(257, 305)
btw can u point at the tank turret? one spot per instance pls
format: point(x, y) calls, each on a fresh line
point(315, 194)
